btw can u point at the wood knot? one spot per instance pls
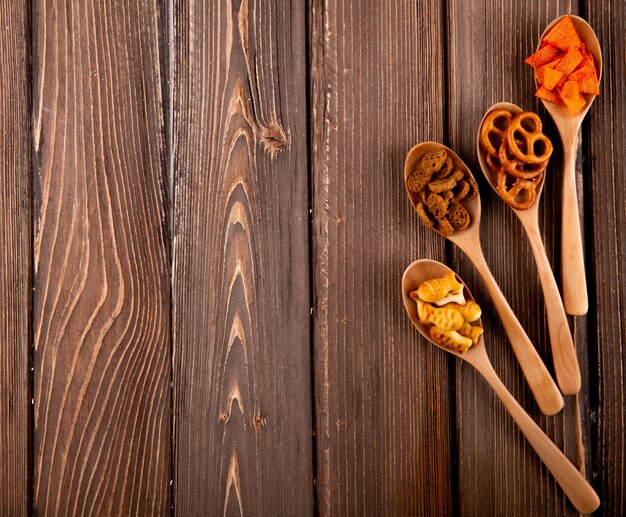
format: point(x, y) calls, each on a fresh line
point(259, 421)
point(274, 139)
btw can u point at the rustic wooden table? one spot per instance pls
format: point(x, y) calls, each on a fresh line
point(203, 228)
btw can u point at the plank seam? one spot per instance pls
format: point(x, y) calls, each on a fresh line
point(310, 199)
point(30, 52)
point(592, 316)
point(453, 440)
point(169, 197)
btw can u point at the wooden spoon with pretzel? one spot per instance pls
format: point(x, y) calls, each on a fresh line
point(563, 351)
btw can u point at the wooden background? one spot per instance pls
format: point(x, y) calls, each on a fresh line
point(202, 233)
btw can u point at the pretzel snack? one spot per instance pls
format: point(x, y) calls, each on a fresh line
point(516, 156)
point(490, 128)
point(518, 188)
point(530, 137)
point(518, 168)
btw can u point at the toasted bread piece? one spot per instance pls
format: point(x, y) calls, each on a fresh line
point(444, 227)
point(433, 160)
point(473, 187)
point(417, 180)
point(462, 190)
point(458, 216)
point(458, 174)
point(446, 169)
point(421, 211)
point(442, 185)
point(447, 195)
point(437, 205)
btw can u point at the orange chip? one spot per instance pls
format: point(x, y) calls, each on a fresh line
point(543, 56)
point(569, 63)
point(563, 35)
point(539, 75)
point(588, 60)
point(551, 78)
point(555, 63)
point(572, 97)
point(580, 73)
point(589, 84)
point(549, 95)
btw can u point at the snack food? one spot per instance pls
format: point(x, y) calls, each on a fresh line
point(437, 288)
point(517, 151)
point(437, 187)
point(564, 68)
point(450, 320)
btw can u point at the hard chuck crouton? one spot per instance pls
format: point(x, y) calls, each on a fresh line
point(433, 160)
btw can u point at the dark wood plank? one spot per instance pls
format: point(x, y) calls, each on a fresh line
point(499, 473)
point(241, 303)
point(604, 178)
point(382, 393)
point(15, 263)
point(101, 306)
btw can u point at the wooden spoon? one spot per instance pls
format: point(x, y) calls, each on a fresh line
point(563, 351)
point(575, 486)
point(539, 380)
point(572, 259)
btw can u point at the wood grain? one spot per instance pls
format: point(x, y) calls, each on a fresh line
point(101, 305)
point(382, 393)
point(240, 300)
point(605, 150)
point(499, 474)
point(15, 263)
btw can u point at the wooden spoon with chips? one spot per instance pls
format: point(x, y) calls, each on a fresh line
point(539, 380)
point(573, 483)
point(573, 278)
point(563, 352)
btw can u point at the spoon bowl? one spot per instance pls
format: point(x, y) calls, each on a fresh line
point(589, 38)
point(566, 364)
point(490, 176)
point(573, 279)
point(472, 205)
point(539, 380)
point(414, 275)
point(575, 486)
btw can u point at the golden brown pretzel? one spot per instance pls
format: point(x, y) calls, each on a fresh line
point(517, 130)
point(509, 163)
point(489, 128)
point(493, 161)
point(516, 189)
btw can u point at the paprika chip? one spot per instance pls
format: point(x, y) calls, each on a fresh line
point(570, 62)
point(543, 56)
point(549, 95)
point(563, 58)
point(563, 35)
point(580, 73)
point(590, 85)
point(570, 93)
point(551, 78)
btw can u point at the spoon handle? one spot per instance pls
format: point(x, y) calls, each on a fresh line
point(573, 483)
point(539, 380)
point(572, 259)
point(563, 351)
